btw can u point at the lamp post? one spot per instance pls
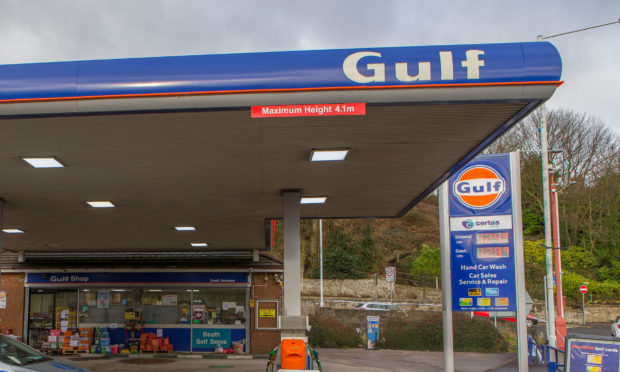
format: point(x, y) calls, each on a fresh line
point(551, 340)
point(560, 322)
point(551, 323)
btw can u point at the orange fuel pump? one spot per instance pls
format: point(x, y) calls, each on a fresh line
point(293, 354)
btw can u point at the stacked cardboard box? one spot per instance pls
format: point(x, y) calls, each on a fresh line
point(150, 342)
point(54, 341)
point(71, 341)
point(86, 340)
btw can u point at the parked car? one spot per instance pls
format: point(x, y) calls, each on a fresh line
point(615, 327)
point(18, 357)
point(530, 320)
point(377, 306)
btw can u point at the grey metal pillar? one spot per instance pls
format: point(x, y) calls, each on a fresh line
point(446, 278)
point(1, 232)
point(515, 166)
point(292, 324)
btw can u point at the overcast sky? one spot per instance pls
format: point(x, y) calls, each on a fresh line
point(60, 30)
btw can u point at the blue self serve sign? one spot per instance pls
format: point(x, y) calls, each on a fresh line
point(482, 249)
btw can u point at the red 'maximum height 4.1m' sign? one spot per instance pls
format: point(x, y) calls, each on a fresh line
point(324, 109)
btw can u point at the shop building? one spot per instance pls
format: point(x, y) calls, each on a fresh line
point(206, 304)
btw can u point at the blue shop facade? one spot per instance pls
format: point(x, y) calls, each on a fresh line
point(197, 311)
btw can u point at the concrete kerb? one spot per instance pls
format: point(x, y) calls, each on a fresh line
point(178, 356)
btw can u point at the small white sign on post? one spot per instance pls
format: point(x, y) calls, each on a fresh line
point(390, 274)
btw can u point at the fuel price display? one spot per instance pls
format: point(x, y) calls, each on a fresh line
point(493, 252)
point(492, 238)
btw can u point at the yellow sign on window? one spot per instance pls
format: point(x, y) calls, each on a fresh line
point(267, 313)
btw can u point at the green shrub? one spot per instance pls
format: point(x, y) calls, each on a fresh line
point(600, 291)
point(340, 260)
point(534, 252)
point(470, 334)
point(427, 263)
point(327, 331)
point(579, 260)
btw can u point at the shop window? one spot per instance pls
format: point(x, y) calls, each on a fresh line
point(163, 306)
point(219, 306)
point(98, 305)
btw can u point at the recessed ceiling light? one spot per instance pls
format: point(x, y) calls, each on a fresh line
point(199, 244)
point(44, 162)
point(328, 155)
point(154, 290)
point(13, 231)
point(101, 204)
point(185, 228)
point(313, 200)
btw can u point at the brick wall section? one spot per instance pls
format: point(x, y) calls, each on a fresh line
point(13, 316)
point(264, 287)
point(365, 289)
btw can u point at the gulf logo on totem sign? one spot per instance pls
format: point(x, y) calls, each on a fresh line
point(479, 186)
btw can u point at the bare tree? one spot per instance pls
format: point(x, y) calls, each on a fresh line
point(582, 151)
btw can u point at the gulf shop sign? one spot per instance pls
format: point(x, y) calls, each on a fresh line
point(482, 249)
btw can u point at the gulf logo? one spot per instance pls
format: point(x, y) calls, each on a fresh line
point(479, 187)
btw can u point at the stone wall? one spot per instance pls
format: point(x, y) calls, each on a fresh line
point(364, 289)
point(354, 289)
point(594, 314)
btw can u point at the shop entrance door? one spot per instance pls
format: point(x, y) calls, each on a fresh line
point(50, 309)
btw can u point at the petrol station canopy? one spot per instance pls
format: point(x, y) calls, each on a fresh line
point(173, 141)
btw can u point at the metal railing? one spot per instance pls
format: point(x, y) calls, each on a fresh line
point(541, 355)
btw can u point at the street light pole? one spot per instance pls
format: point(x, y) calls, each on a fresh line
point(560, 322)
point(551, 340)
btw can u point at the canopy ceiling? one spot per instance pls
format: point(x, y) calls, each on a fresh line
point(201, 160)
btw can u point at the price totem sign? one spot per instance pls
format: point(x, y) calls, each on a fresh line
point(482, 235)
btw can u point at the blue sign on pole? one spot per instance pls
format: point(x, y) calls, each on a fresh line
point(585, 353)
point(372, 323)
point(482, 249)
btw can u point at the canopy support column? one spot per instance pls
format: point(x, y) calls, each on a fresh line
point(292, 323)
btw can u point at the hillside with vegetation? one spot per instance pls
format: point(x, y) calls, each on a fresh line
point(586, 160)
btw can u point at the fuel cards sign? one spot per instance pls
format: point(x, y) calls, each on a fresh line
point(585, 353)
point(482, 237)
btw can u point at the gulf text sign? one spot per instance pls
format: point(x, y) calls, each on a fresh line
point(325, 109)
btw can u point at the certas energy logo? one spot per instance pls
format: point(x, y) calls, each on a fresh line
point(479, 187)
point(468, 224)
